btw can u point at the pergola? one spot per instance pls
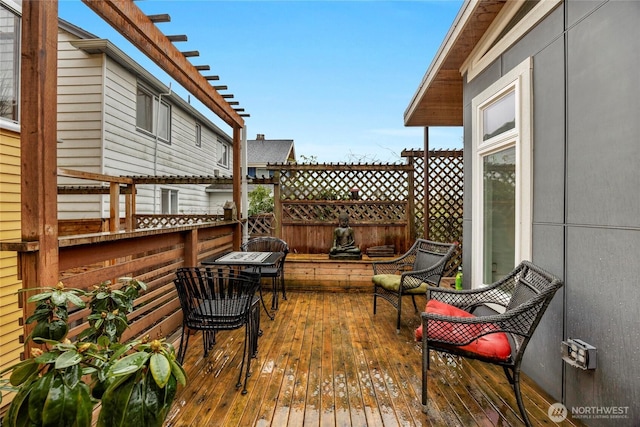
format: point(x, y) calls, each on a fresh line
point(38, 250)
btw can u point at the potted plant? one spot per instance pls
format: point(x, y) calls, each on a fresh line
point(60, 384)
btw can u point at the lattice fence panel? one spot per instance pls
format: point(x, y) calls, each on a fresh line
point(156, 221)
point(445, 184)
point(261, 225)
point(362, 212)
point(335, 182)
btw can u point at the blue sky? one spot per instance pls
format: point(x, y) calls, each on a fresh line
point(334, 76)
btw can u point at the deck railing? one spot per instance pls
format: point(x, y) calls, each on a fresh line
point(151, 256)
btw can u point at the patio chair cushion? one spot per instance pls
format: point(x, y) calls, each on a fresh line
point(495, 345)
point(391, 282)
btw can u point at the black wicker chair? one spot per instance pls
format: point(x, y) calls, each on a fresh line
point(499, 339)
point(410, 274)
point(276, 273)
point(215, 299)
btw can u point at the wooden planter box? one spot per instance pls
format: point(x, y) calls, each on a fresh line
point(316, 272)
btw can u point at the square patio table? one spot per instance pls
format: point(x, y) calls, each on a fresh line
point(255, 260)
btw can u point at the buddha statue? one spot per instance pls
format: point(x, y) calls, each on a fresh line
point(344, 246)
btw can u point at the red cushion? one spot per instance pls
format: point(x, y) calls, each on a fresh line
point(494, 345)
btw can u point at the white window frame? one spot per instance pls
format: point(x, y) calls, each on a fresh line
point(163, 124)
point(159, 114)
point(14, 8)
point(519, 80)
point(147, 126)
point(168, 201)
point(223, 154)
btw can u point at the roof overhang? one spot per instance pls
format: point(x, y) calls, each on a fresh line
point(438, 100)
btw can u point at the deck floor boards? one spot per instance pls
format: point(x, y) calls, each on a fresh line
point(326, 360)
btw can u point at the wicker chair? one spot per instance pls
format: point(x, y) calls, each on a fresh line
point(276, 273)
point(214, 299)
point(499, 339)
point(410, 274)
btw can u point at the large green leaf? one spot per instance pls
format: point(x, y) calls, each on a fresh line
point(68, 358)
point(18, 413)
point(75, 300)
point(160, 368)
point(116, 400)
point(23, 371)
point(67, 406)
point(59, 297)
point(129, 363)
point(178, 371)
point(47, 357)
point(39, 297)
point(38, 395)
point(84, 406)
point(72, 376)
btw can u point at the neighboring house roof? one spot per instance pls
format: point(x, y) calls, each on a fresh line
point(438, 100)
point(92, 44)
point(262, 151)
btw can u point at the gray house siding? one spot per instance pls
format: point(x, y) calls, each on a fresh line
point(603, 201)
point(586, 197)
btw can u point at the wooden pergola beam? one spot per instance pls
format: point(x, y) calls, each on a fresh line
point(125, 17)
point(38, 139)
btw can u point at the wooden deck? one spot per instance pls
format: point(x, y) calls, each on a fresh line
point(327, 361)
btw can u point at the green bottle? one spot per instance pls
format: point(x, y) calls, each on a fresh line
point(459, 278)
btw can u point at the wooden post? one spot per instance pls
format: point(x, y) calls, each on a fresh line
point(411, 206)
point(191, 248)
point(237, 184)
point(114, 207)
point(277, 205)
point(427, 189)
point(130, 207)
point(38, 145)
point(38, 141)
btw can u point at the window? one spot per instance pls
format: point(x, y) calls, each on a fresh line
point(9, 63)
point(223, 154)
point(169, 201)
point(148, 105)
point(198, 135)
point(144, 110)
point(164, 121)
point(501, 156)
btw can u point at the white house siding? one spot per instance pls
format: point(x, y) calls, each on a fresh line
point(128, 151)
point(97, 119)
point(79, 123)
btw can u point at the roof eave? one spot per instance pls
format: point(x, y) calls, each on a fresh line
point(439, 98)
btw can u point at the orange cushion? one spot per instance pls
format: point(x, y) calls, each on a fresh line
point(494, 345)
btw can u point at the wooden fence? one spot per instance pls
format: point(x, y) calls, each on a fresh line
point(149, 255)
point(309, 198)
point(388, 207)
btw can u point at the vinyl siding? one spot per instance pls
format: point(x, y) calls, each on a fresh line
point(10, 330)
point(97, 133)
point(128, 151)
point(80, 94)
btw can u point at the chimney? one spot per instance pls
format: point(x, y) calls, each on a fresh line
point(260, 137)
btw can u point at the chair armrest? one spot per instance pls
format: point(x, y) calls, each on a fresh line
point(391, 266)
point(468, 299)
point(515, 321)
